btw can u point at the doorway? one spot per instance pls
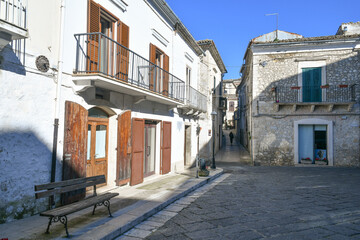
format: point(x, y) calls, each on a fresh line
point(187, 146)
point(313, 143)
point(150, 148)
point(97, 143)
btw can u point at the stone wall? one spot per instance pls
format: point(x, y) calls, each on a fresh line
point(273, 130)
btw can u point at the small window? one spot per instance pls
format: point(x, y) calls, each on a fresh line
point(231, 106)
point(188, 75)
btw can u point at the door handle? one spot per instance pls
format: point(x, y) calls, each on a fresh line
point(148, 151)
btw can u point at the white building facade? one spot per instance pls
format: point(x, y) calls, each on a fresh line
point(94, 87)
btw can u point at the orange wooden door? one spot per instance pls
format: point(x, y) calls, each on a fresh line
point(123, 167)
point(166, 148)
point(75, 136)
point(96, 160)
point(137, 160)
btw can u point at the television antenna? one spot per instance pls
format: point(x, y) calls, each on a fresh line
point(277, 22)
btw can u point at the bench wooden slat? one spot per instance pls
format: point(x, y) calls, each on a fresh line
point(77, 206)
point(69, 188)
point(66, 183)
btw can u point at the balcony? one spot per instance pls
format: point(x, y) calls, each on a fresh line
point(314, 96)
point(195, 102)
point(104, 63)
point(12, 21)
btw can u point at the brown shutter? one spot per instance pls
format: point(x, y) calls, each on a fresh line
point(166, 148)
point(137, 160)
point(75, 147)
point(93, 40)
point(122, 57)
point(124, 35)
point(166, 76)
point(152, 66)
point(123, 149)
point(93, 17)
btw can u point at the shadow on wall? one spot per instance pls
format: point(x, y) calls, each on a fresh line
point(25, 161)
point(13, 53)
point(341, 85)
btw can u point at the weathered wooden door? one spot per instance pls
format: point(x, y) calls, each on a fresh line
point(123, 167)
point(97, 156)
point(166, 148)
point(75, 148)
point(137, 151)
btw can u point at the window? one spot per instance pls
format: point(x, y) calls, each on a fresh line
point(214, 89)
point(188, 75)
point(231, 106)
point(101, 49)
point(311, 82)
point(159, 70)
point(311, 75)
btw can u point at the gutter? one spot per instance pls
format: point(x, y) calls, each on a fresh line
point(58, 91)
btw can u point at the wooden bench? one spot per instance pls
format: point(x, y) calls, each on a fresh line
point(60, 213)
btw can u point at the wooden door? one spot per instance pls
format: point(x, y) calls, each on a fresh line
point(123, 167)
point(97, 155)
point(75, 148)
point(137, 172)
point(166, 148)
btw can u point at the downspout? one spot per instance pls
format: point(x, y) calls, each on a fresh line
point(58, 91)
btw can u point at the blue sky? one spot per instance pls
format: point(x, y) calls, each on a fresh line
point(233, 23)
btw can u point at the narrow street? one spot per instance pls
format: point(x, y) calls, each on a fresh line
point(262, 203)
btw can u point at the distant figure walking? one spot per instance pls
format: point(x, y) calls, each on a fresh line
point(231, 135)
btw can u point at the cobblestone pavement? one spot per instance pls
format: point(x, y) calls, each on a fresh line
point(264, 203)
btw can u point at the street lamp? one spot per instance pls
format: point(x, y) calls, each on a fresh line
point(213, 116)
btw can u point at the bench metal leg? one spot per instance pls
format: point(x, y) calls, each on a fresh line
point(94, 209)
point(107, 204)
point(48, 227)
point(62, 219)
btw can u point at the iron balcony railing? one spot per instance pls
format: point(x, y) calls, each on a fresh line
point(195, 99)
point(14, 12)
point(99, 54)
point(327, 93)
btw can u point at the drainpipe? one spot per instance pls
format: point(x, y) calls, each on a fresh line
point(58, 91)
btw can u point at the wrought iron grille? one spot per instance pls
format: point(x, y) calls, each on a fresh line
point(327, 93)
point(98, 54)
point(195, 99)
point(14, 12)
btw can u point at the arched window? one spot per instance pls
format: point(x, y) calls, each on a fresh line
point(97, 113)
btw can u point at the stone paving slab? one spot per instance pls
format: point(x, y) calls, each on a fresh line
point(131, 207)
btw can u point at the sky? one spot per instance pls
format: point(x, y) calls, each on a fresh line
point(233, 23)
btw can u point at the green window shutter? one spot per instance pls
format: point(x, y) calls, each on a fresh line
point(311, 84)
